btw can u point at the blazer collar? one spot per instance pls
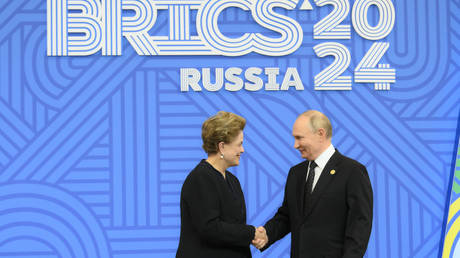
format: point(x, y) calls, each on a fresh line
point(301, 172)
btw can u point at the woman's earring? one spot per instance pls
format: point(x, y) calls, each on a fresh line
point(221, 155)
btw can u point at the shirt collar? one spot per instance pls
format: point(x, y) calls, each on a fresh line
point(322, 159)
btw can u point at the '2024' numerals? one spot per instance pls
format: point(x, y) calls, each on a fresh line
point(368, 70)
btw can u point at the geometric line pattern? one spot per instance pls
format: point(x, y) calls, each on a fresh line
point(94, 150)
point(451, 230)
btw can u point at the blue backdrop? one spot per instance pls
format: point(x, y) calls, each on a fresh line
point(94, 149)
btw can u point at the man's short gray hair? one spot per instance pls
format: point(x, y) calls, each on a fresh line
point(318, 120)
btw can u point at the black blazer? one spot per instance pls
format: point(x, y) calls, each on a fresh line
point(213, 216)
point(339, 220)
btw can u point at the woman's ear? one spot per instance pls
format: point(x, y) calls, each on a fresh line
point(220, 147)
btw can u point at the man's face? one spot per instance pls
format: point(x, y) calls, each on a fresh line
point(232, 150)
point(307, 142)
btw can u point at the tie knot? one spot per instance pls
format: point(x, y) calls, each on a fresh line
point(313, 164)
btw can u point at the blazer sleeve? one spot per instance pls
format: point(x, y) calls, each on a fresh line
point(359, 219)
point(204, 208)
point(280, 225)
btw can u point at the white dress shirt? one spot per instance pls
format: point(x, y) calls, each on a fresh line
point(321, 162)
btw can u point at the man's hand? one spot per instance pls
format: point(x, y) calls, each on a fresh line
point(260, 238)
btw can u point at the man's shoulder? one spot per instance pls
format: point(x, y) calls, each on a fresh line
point(301, 165)
point(351, 166)
point(349, 162)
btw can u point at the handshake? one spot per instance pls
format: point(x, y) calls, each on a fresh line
point(260, 238)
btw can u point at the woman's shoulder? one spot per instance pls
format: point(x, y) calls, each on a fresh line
point(199, 178)
point(200, 172)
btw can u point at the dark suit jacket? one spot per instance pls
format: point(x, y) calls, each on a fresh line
point(339, 218)
point(213, 216)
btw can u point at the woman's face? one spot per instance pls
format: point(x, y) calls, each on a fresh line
point(232, 150)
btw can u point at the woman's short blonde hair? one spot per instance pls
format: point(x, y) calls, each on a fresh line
point(222, 127)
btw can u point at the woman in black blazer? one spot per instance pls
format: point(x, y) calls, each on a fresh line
point(213, 210)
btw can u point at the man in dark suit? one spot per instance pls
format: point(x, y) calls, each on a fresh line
point(327, 202)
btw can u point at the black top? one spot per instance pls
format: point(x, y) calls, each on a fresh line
point(213, 216)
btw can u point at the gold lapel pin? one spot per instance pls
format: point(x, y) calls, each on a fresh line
point(332, 172)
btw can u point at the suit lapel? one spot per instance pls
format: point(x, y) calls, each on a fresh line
point(301, 177)
point(324, 180)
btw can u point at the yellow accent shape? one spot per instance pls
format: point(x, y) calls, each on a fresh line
point(453, 230)
point(450, 237)
point(453, 209)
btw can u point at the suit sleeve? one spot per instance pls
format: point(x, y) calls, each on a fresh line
point(280, 225)
point(359, 219)
point(204, 208)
